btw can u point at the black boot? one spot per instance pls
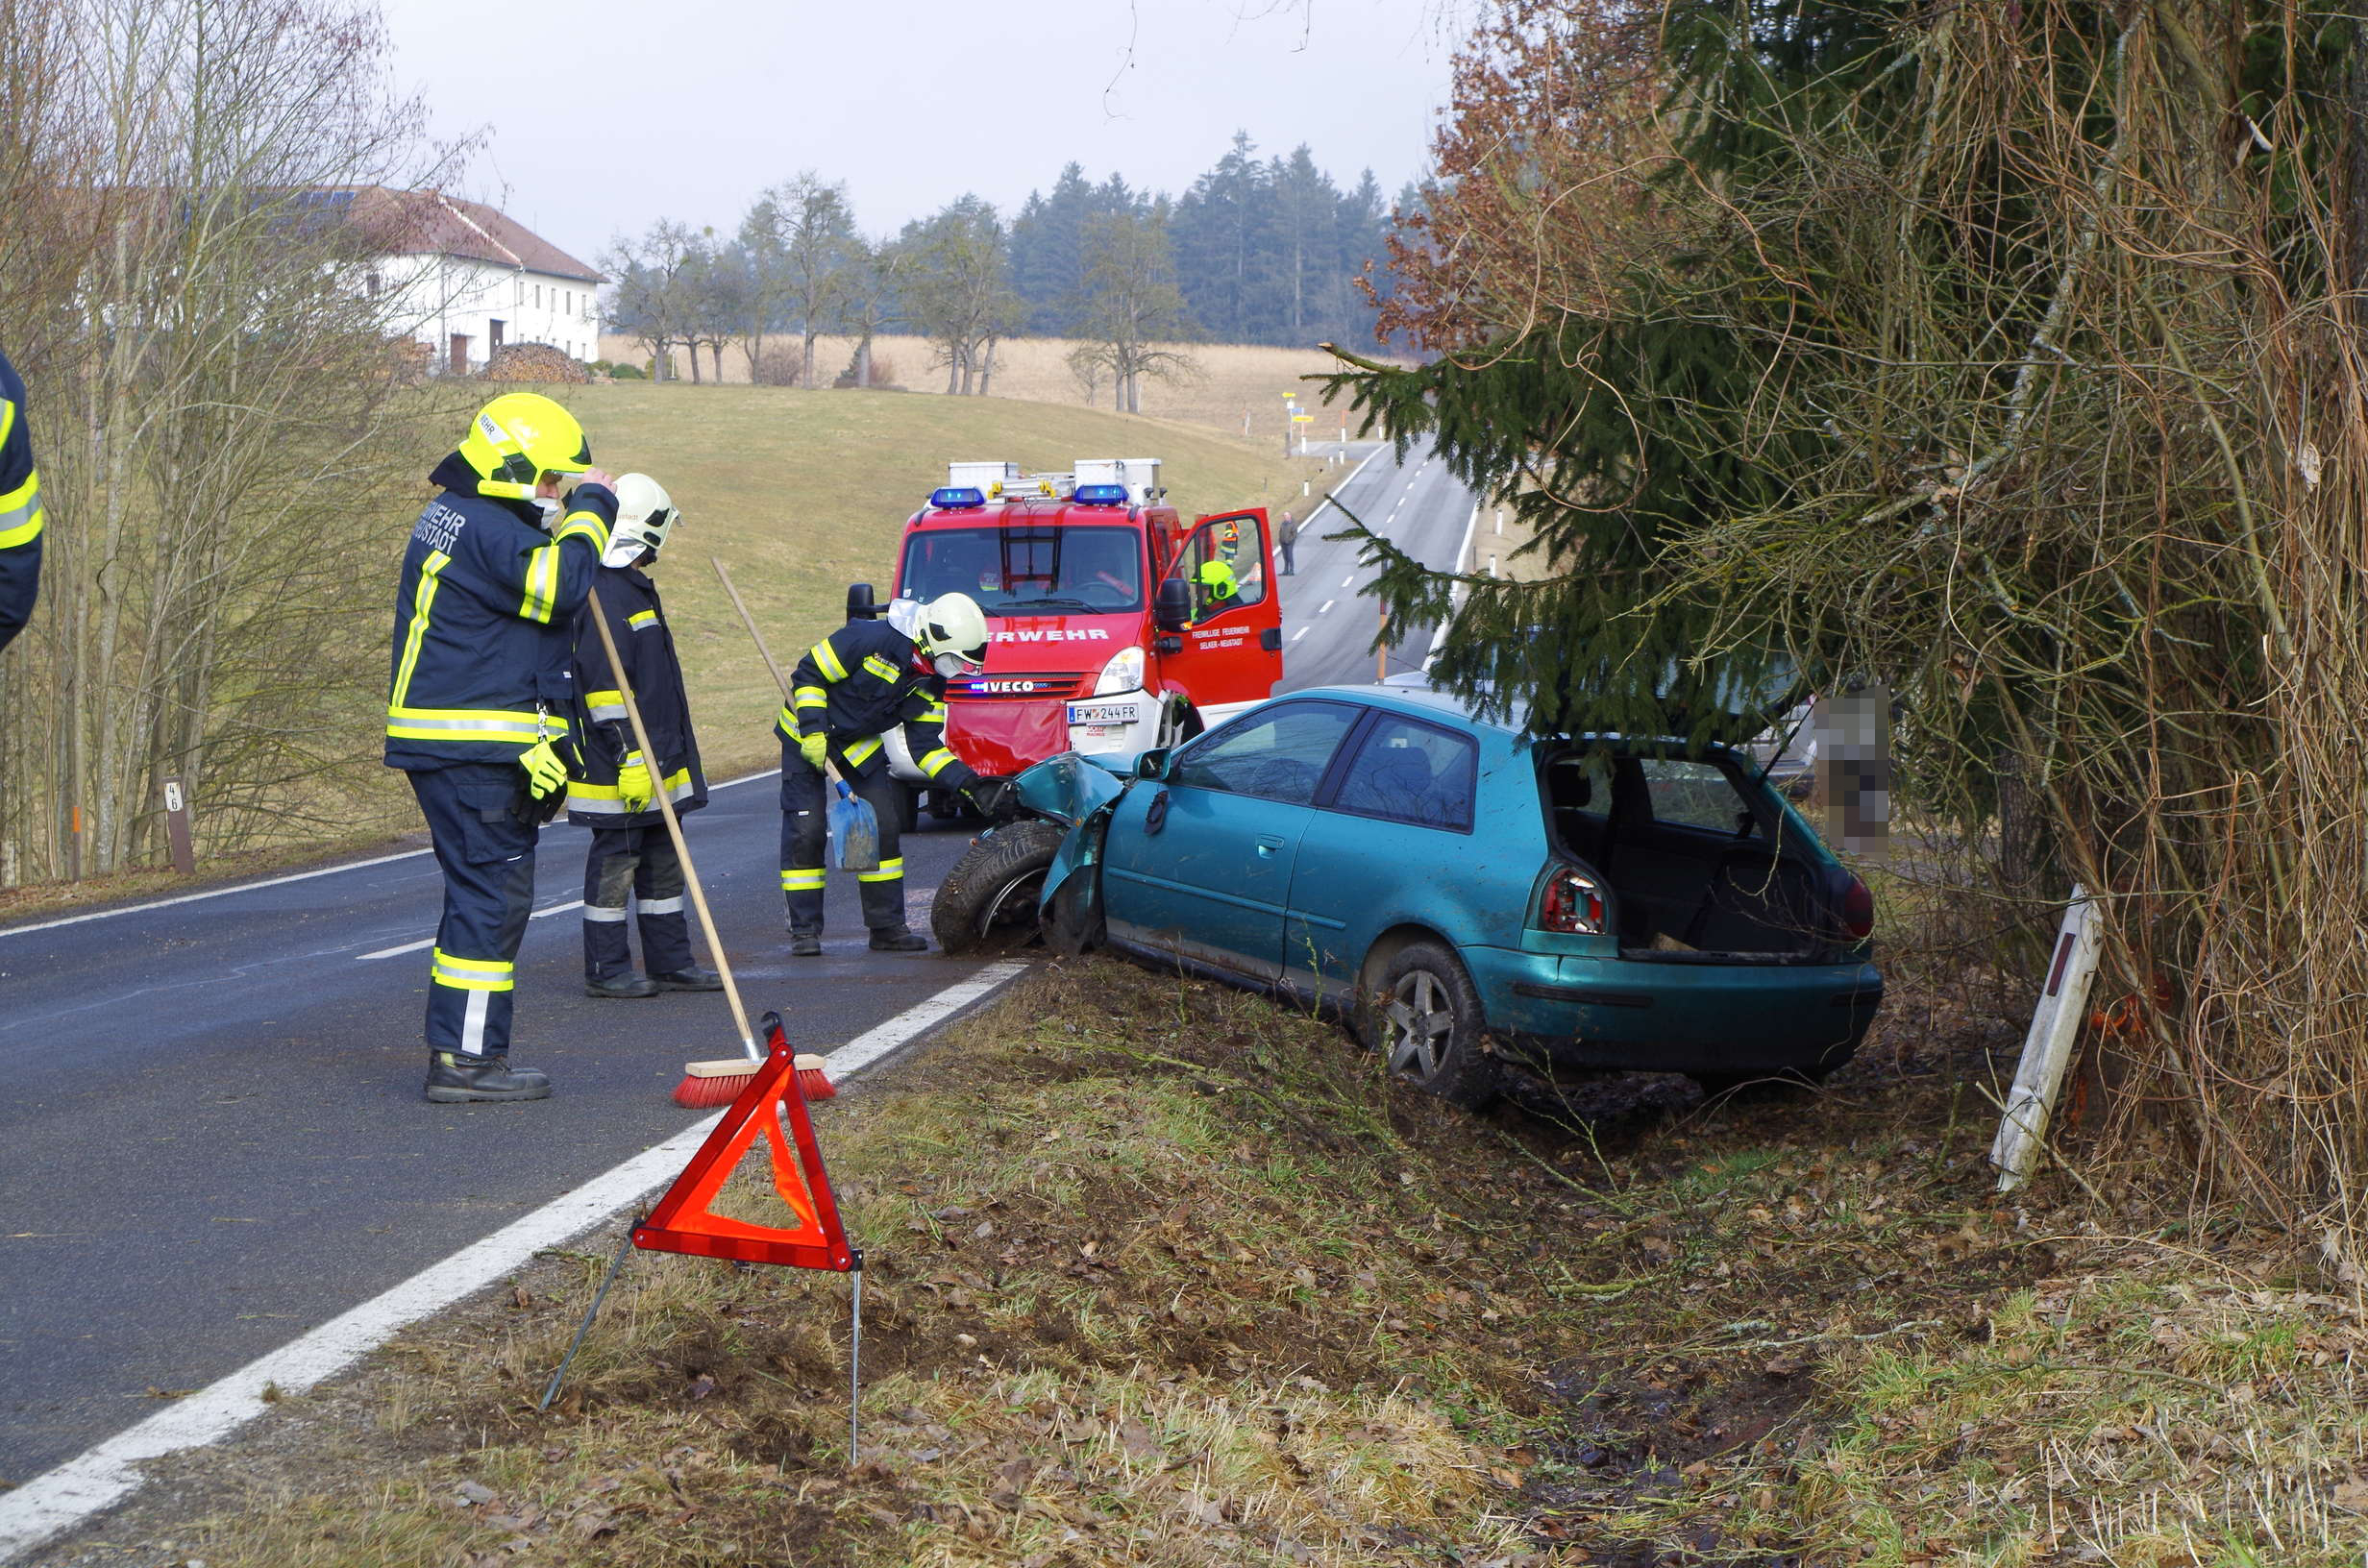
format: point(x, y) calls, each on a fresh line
point(898, 938)
point(689, 979)
point(456, 1077)
point(623, 986)
point(805, 945)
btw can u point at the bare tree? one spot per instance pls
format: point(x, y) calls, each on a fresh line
point(805, 232)
point(871, 305)
point(651, 302)
point(212, 384)
point(958, 290)
point(1130, 308)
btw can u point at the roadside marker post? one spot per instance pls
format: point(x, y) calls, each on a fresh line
point(177, 827)
point(684, 1220)
point(2047, 1049)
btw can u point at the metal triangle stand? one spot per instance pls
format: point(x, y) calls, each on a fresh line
point(585, 1327)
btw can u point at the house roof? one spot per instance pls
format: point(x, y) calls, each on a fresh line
point(428, 221)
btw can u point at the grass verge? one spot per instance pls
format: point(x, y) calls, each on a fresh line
point(1166, 1274)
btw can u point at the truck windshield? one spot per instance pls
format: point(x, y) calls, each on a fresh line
point(1025, 570)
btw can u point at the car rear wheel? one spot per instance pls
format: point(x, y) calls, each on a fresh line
point(989, 898)
point(1425, 1018)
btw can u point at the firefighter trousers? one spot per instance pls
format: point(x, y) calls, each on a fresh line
point(639, 861)
point(487, 856)
point(806, 798)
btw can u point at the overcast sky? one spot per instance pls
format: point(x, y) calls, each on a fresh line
point(605, 116)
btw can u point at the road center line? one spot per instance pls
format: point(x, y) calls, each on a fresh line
point(430, 941)
point(1296, 636)
point(1327, 605)
point(108, 1472)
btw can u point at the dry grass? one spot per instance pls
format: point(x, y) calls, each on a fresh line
point(1231, 380)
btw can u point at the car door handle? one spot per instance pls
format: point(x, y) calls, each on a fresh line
point(1267, 847)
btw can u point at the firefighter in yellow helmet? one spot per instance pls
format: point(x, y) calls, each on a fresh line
point(482, 713)
point(1219, 589)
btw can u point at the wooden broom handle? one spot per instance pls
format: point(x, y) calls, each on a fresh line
point(674, 827)
point(748, 620)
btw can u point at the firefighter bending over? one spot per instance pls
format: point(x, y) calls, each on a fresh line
point(481, 711)
point(862, 680)
point(631, 856)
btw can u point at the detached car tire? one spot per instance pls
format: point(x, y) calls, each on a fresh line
point(1423, 1017)
point(989, 898)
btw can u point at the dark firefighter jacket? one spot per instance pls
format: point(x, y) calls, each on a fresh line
point(485, 623)
point(646, 648)
point(859, 682)
point(20, 509)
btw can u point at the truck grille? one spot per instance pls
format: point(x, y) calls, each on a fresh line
point(1034, 687)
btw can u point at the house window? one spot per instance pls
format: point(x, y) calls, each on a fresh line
point(372, 282)
point(538, 296)
point(494, 333)
point(522, 292)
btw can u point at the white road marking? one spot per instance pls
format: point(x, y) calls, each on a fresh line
point(107, 1472)
point(1336, 489)
point(1296, 636)
point(280, 881)
point(430, 941)
point(1439, 638)
point(1350, 581)
point(1327, 605)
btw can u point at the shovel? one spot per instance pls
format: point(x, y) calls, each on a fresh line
point(853, 826)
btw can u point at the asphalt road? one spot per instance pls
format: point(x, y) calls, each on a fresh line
point(212, 1138)
point(1328, 628)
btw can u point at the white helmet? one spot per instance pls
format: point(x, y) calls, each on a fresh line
point(953, 633)
point(645, 515)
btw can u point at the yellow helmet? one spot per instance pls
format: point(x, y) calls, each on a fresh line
point(1217, 578)
point(519, 438)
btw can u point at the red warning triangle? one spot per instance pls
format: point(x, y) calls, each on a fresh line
point(684, 1220)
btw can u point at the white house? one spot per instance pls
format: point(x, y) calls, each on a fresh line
point(466, 279)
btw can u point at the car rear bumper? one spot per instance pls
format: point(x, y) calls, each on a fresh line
point(1587, 1011)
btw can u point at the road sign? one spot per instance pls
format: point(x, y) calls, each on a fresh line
point(1301, 419)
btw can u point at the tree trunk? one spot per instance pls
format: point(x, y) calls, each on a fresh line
point(953, 373)
point(715, 349)
point(863, 361)
point(805, 366)
point(986, 374)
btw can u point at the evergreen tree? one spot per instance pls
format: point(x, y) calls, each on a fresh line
point(1219, 225)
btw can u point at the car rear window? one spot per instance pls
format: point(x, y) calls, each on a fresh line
point(1279, 753)
point(1693, 795)
point(1409, 771)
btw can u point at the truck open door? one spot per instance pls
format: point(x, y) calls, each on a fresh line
point(1219, 620)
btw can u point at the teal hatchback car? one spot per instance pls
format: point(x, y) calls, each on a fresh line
point(1464, 894)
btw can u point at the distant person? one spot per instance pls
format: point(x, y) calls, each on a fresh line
point(1287, 535)
point(20, 509)
point(853, 687)
point(631, 857)
point(482, 714)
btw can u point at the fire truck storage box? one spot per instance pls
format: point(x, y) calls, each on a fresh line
point(983, 477)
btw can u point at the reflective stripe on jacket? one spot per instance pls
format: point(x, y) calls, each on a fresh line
point(484, 622)
point(861, 682)
point(646, 648)
point(20, 509)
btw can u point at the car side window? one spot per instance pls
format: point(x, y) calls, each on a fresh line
point(1278, 754)
point(1226, 564)
point(1693, 794)
point(1412, 773)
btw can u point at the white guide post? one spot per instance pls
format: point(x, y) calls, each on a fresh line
point(2047, 1050)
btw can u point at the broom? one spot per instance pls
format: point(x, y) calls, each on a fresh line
point(853, 825)
point(703, 1083)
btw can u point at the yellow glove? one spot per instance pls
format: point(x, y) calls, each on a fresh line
point(814, 748)
point(546, 773)
point(634, 783)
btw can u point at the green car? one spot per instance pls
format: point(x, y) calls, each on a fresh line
point(1466, 896)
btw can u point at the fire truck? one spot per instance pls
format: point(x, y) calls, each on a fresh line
point(1115, 625)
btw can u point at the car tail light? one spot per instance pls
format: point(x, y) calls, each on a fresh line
point(1857, 910)
point(1572, 903)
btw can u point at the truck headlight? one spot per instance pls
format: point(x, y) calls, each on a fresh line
point(1123, 673)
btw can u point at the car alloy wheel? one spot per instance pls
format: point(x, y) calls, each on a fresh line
point(1421, 1025)
point(1426, 1021)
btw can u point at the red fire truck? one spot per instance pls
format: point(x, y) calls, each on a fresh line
point(1116, 626)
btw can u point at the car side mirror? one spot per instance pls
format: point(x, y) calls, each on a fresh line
point(1173, 607)
point(1154, 763)
point(860, 604)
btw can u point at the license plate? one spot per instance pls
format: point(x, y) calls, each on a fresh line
point(1104, 713)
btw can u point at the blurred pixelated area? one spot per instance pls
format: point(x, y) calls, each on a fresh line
point(1850, 743)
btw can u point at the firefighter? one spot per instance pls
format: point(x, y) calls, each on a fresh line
point(20, 509)
point(482, 710)
point(631, 854)
point(1219, 589)
point(853, 687)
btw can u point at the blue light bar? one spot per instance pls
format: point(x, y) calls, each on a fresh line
point(950, 498)
point(1100, 495)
